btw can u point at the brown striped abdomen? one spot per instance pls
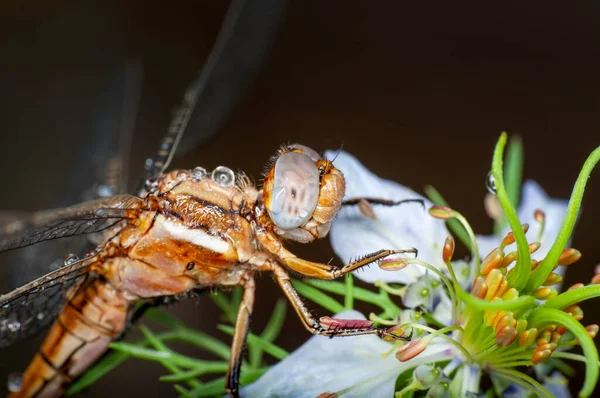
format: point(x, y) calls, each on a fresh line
point(90, 320)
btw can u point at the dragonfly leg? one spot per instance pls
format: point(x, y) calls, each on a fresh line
point(239, 336)
point(323, 326)
point(326, 271)
point(383, 202)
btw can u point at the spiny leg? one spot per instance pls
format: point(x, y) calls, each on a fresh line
point(323, 326)
point(383, 202)
point(325, 271)
point(239, 337)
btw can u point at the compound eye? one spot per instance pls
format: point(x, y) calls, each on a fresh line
point(311, 153)
point(295, 190)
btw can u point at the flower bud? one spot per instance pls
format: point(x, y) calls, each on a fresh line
point(569, 256)
point(448, 250)
point(426, 375)
point(441, 212)
point(492, 261)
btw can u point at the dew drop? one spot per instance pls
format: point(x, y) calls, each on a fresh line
point(104, 191)
point(182, 175)
point(3, 325)
point(71, 259)
point(14, 326)
point(150, 184)
point(223, 176)
point(14, 381)
point(40, 316)
point(199, 173)
point(490, 183)
point(148, 164)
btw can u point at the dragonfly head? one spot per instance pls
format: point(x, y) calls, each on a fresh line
point(302, 193)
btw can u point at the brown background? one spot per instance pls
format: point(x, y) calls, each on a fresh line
point(418, 93)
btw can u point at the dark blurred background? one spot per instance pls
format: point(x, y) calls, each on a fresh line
point(420, 93)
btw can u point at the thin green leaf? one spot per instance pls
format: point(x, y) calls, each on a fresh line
point(154, 355)
point(110, 361)
point(318, 297)
point(270, 332)
point(574, 296)
point(268, 347)
point(545, 316)
point(349, 292)
point(513, 169)
point(198, 339)
point(217, 387)
point(539, 275)
point(164, 318)
point(453, 225)
point(221, 300)
point(206, 368)
point(518, 276)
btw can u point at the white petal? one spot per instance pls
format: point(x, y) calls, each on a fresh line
point(405, 226)
point(443, 311)
point(323, 364)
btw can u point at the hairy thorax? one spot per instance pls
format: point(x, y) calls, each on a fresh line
point(193, 232)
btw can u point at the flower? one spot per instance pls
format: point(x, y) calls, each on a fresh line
point(397, 227)
point(358, 365)
point(489, 317)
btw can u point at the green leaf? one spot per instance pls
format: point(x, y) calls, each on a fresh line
point(110, 361)
point(206, 368)
point(270, 332)
point(518, 277)
point(539, 275)
point(545, 316)
point(268, 347)
point(318, 297)
point(217, 387)
point(164, 318)
point(349, 292)
point(513, 170)
point(453, 224)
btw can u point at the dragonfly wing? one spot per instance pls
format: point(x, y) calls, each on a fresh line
point(28, 309)
point(232, 65)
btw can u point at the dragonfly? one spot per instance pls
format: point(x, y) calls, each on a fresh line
point(180, 231)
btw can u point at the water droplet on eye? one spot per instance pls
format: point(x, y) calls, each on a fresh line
point(303, 213)
point(223, 176)
point(14, 326)
point(40, 316)
point(199, 173)
point(71, 259)
point(14, 381)
point(490, 183)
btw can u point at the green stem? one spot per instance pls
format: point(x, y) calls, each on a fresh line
point(571, 297)
point(453, 225)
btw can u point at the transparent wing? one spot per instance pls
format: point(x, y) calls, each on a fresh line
point(88, 217)
point(30, 308)
point(232, 65)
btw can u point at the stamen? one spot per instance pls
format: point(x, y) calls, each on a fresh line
point(479, 288)
point(540, 217)
point(448, 249)
point(592, 330)
point(441, 212)
point(492, 261)
point(569, 256)
point(544, 293)
point(528, 337)
point(412, 349)
point(506, 336)
point(552, 279)
point(390, 264)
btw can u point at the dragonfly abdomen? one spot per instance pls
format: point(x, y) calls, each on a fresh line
point(93, 317)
